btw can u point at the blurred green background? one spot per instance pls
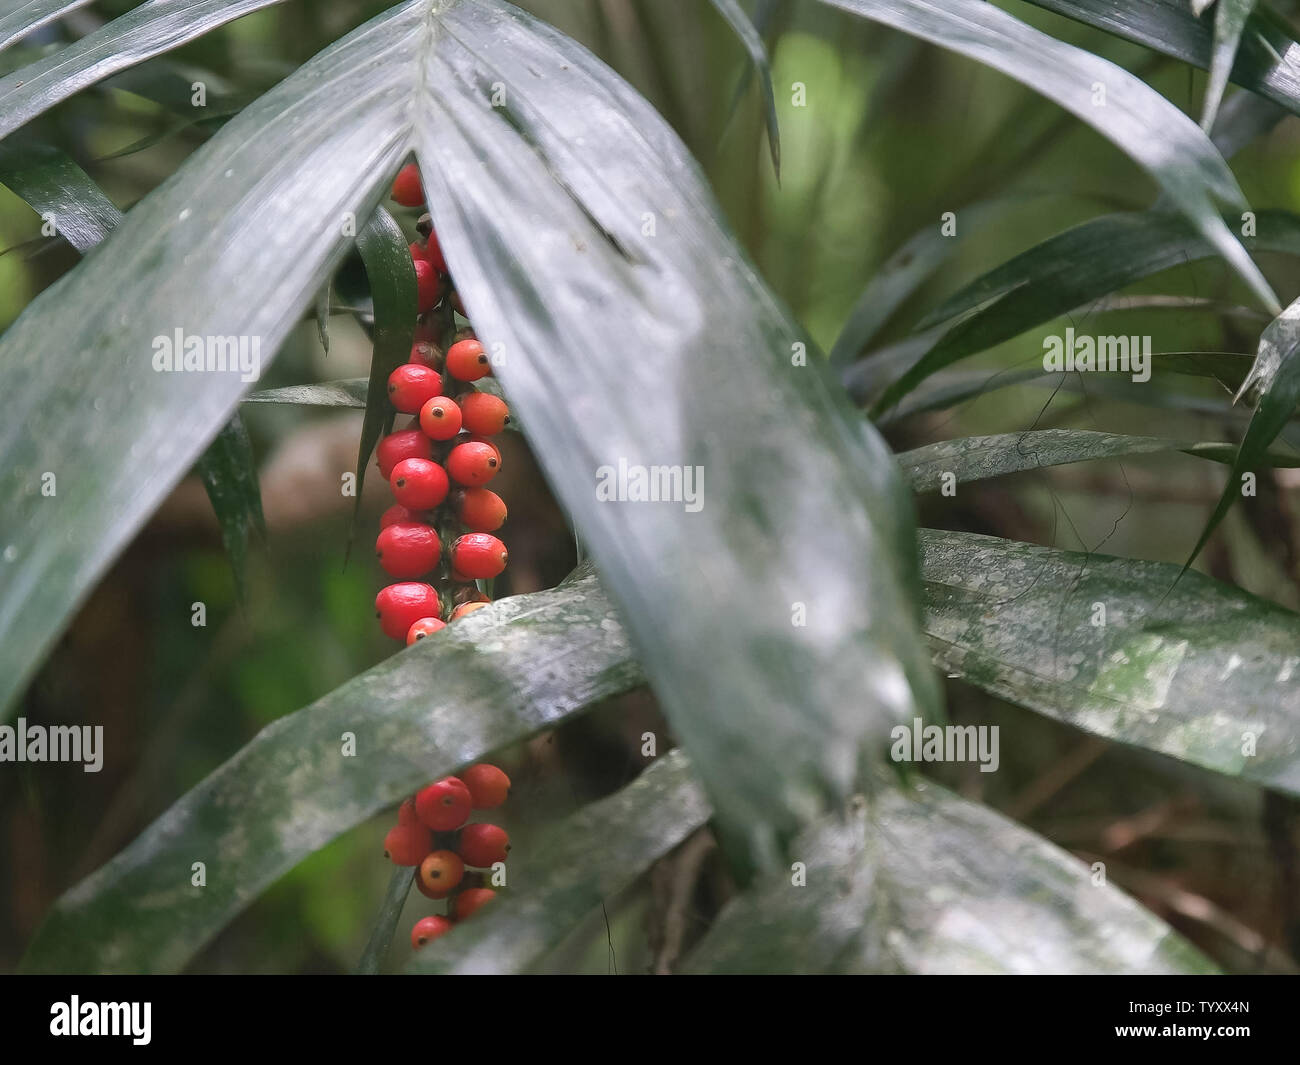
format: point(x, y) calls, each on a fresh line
point(888, 135)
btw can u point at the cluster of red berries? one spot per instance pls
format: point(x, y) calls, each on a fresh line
point(432, 834)
point(439, 464)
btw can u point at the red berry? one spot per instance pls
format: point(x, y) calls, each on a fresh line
point(476, 438)
point(397, 515)
point(399, 606)
point(479, 556)
point(419, 484)
point(441, 872)
point(444, 805)
point(433, 252)
point(406, 187)
point(467, 361)
point(484, 413)
point(406, 814)
point(422, 628)
point(407, 844)
point(488, 785)
point(423, 353)
point(470, 900)
point(480, 509)
point(427, 285)
point(465, 608)
point(408, 549)
point(404, 444)
point(427, 929)
point(482, 845)
point(474, 463)
point(411, 385)
point(440, 418)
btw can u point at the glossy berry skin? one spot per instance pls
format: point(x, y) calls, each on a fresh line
point(407, 844)
point(440, 873)
point(444, 805)
point(488, 785)
point(419, 484)
point(427, 929)
point(480, 509)
point(476, 438)
point(482, 845)
point(398, 515)
point(467, 361)
point(473, 464)
point(406, 814)
point(403, 444)
point(484, 413)
point(407, 189)
point(427, 285)
point(422, 628)
point(479, 556)
point(411, 386)
point(471, 900)
point(408, 549)
point(440, 418)
point(466, 608)
point(399, 606)
point(423, 353)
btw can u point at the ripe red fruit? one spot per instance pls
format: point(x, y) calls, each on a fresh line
point(441, 872)
point(399, 606)
point(488, 785)
point(407, 189)
point(466, 608)
point(470, 900)
point(408, 549)
point(479, 556)
point(444, 805)
point(427, 929)
point(411, 385)
point(407, 844)
point(440, 418)
point(406, 814)
point(419, 484)
point(473, 463)
point(427, 285)
point(480, 509)
point(404, 444)
point(422, 628)
point(484, 413)
point(481, 845)
point(397, 515)
point(467, 361)
point(423, 353)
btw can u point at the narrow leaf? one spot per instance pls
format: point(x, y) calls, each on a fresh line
point(753, 42)
point(1275, 381)
point(25, 16)
point(1230, 17)
point(1115, 647)
point(381, 936)
point(349, 393)
point(384, 250)
point(152, 28)
point(918, 880)
point(1137, 119)
point(59, 190)
point(228, 470)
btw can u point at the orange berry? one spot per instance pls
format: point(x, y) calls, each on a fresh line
point(482, 845)
point(469, 901)
point(467, 361)
point(488, 785)
point(440, 418)
point(440, 872)
point(422, 628)
point(484, 413)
